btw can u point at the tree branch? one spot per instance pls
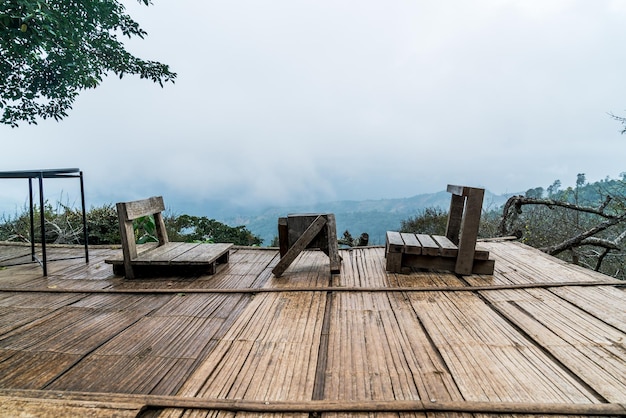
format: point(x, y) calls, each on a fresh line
point(518, 201)
point(579, 239)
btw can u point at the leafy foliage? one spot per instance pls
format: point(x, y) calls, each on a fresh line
point(349, 241)
point(202, 229)
point(52, 49)
point(64, 226)
point(145, 229)
point(432, 221)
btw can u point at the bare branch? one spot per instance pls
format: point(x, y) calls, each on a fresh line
point(518, 201)
point(578, 239)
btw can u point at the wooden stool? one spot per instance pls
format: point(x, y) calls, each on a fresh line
point(300, 231)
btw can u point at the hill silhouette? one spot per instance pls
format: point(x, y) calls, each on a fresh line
point(372, 216)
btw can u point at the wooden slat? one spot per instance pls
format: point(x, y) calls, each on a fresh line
point(178, 253)
point(469, 233)
point(333, 245)
point(395, 244)
point(411, 244)
point(33, 370)
point(481, 254)
point(297, 225)
point(429, 246)
point(423, 341)
point(120, 402)
point(441, 287)
point(145, 207)
point(202, 253)
point(490, 359)
point(456, 190)
point(446, 263)
point(455, 217)
point(301, 243)
point(447, 247)
point(283, 236)
point(28, 407)
point(272, 359)
point(583, 343)
point(606, 304)
point(162, 253)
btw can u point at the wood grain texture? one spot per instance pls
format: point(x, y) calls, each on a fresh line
point(538, 337)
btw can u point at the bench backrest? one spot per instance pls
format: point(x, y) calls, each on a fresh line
point(127, 212)
point(466, 207)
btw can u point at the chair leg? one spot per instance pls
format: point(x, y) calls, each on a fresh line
point(333, 246)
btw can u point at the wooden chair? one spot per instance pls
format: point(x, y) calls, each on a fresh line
point(299, 231)
point(456, 251)
point(166, 257)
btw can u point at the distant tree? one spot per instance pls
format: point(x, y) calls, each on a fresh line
point(536, 193)
point(50, 50)
point(195, 228)
point(554, 188)
point(64, 226)
point(349, 241)
point(432, 221)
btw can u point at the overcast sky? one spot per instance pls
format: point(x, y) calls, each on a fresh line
point(286, 101)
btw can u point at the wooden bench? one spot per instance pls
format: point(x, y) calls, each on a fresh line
point(299, 231)
point(164, 257)
point(456, 251)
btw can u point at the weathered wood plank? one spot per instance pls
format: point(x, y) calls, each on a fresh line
point(333, 245)
point(447, 346)
point(162, 253)
point(446, 263)
point(586, 345)
point(300, 244)
point(411, 244)
point(283, 236)
point(395, 244)
point(195, 254)
point(52, 408)
point(447, 247)
point(498, 364)
point(126, 401)
point(138, 208)
point(429, 245)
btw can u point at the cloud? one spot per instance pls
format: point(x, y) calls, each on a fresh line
point(280, 102)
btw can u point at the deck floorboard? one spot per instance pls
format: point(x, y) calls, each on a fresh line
point(310, 336)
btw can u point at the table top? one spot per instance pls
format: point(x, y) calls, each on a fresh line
point(45, 173)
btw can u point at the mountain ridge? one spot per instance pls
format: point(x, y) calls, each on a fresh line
point(373, 216)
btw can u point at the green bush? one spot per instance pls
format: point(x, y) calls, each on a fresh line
point(64, 225)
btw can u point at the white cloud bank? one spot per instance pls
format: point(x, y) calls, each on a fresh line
point(280, 102)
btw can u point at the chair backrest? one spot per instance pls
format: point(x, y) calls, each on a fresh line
point(127, 212)
point(463, 222)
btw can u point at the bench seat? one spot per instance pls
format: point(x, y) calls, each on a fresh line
point(163, 257)
point(456, 251)
point(183, 255)
point(434, 252)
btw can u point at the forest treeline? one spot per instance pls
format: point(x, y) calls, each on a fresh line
point(64, 226)
point(584, 224)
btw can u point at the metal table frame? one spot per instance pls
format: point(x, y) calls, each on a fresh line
point(40, 175)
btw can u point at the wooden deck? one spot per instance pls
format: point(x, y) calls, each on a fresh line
point(539, 336)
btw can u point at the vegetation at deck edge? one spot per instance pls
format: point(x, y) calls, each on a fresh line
point(554, 219)
point(64, 226)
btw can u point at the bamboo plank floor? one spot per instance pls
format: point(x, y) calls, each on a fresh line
point(243, 335)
